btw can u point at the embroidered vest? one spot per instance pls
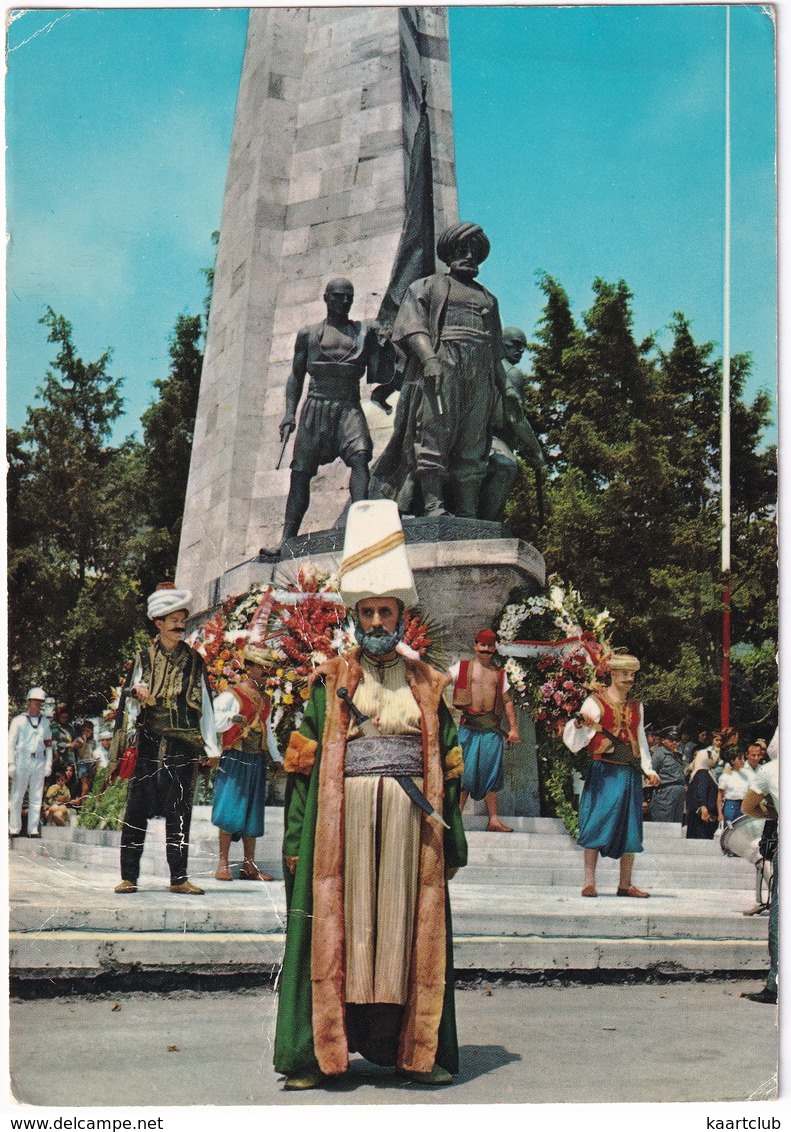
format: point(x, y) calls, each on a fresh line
point(175, 692)
point(249, 736)
point(623, 722)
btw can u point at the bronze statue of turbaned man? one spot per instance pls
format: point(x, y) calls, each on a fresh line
point(449, 334)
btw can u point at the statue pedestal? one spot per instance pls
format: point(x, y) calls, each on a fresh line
point(464, 571)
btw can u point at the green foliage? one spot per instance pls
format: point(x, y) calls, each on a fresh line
point(632, 438)
point(93, 526)
point(71, 549)
point(556, 778)
point(105, 805)
point(168, 426)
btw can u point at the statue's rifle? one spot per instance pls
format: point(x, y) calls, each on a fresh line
point(371, 731)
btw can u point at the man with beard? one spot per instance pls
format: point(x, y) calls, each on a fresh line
point(448, 330)
point(175, 728)
point(368, 962)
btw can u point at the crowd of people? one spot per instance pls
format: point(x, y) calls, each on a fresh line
point(53, 763)
point(703, 782)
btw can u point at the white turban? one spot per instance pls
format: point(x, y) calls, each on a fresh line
point(375, 562)
point(165, 601)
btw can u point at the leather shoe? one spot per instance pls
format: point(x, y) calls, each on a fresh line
point(305, 1081)
point(589, 890)
point(187, 889)
point(245, 874)
point(126, 886)
point(764, 995)
point(632, 890)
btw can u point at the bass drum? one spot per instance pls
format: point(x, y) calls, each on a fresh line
point(742, 838)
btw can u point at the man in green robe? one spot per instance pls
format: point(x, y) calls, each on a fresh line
point(368, 963)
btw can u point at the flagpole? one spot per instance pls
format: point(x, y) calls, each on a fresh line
point(725, 445)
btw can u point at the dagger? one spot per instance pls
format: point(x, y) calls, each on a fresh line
point(371, 731)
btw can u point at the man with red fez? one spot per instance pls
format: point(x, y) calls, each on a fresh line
point(175, 730)
point(241, 716)
point(481, 692)
point(448, 329)
point(611, 726)
point(373, 777)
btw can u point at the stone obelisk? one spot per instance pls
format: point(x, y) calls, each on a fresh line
point(329, 101)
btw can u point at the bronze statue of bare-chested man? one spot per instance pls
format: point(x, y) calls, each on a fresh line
point(335, 354)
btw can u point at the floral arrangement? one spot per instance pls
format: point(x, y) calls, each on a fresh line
point(567, 644)
point(556, 648)
point(301, 626)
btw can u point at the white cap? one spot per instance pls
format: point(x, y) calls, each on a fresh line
point(37, 694)
point(105, 734)
point(167, 599)
point(375, 562)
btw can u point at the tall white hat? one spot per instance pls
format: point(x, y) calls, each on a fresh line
point(167, 599)
point(375, 562)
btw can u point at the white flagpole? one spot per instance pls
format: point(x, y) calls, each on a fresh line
point(725, 444)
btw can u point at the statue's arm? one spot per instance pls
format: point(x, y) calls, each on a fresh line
point(412, 329)
point(295, 383)
point(420, 347)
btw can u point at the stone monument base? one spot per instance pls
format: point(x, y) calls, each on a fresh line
point(464, 571)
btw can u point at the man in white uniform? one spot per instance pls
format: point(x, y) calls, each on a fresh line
point(29, 762)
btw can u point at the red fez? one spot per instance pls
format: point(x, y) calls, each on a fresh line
point(486, 637)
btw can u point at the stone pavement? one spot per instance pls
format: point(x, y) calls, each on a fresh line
point(516, 907)
point(519, 1045)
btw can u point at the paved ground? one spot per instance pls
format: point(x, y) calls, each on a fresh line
point(672, 1042)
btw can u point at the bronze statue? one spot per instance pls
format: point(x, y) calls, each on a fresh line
point(448, 332)
point(513, 434)
point(336, 354)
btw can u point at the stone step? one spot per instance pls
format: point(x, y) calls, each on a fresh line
point(569, 877)
point(77, 954)
point(537, 869)
point(525, 910)
point(66, 920)
point(505, 860)
point(551, 836)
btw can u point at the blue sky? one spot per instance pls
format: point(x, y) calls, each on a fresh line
point(589, 141)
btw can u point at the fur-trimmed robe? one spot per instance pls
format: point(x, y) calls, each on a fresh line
point(311, 1029)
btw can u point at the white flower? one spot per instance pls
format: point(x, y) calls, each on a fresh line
point(556, 597)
